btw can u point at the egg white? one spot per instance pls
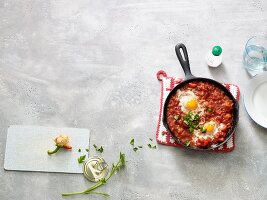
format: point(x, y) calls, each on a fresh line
point(217, 128)
point(186, 96)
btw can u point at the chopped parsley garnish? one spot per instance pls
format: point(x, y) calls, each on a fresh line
point(87, 150)
point(192, 121)
point(150, 139)
point(191, 129)
point(210, 110)
point(202, 129)
point(98, 149)
point(187, 143)
point(132, 142)
point(176, 117)
point(140, 147)
point(79, 150)
point(81, 159)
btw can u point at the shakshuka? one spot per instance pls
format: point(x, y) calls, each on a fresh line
point(200, 114)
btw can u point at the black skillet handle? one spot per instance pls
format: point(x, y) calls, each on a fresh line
point(184, 61)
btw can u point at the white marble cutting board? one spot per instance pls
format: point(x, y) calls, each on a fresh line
point(26, 149)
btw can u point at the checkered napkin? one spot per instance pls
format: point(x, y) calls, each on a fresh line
point(162, 135)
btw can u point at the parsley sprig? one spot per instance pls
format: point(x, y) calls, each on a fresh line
point(115, 168)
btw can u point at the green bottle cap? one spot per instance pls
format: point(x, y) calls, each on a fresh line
point(216, 50)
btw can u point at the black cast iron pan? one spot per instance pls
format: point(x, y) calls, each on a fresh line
point(189, 77)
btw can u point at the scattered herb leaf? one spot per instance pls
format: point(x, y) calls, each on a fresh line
point(79, 150)
point(187, 143)
point(81, 159)
point(132, 142)
point(87, 150)
point(152, 146)
point(98, 149)
point(115, 168)
point(135, 149)
point(101, 149)
point(150, 139)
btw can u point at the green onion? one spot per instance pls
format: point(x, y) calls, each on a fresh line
point(54, 151)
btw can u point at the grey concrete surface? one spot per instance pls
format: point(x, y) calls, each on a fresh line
point(92, 64)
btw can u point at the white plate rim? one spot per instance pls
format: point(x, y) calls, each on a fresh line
point(248, 95)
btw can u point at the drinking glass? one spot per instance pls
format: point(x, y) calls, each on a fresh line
point(255, 55)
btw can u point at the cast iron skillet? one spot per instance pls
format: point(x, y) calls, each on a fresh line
point(189, 77)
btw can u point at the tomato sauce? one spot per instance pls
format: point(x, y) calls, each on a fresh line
point(216, 107)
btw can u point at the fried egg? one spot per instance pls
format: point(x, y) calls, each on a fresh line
point(189, 102)
point(211, 127)
point(209, 130)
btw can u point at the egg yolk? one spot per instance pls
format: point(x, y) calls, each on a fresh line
point(209, 127)
point(191, 104)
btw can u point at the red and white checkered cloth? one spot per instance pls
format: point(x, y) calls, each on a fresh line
point(162, 135)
